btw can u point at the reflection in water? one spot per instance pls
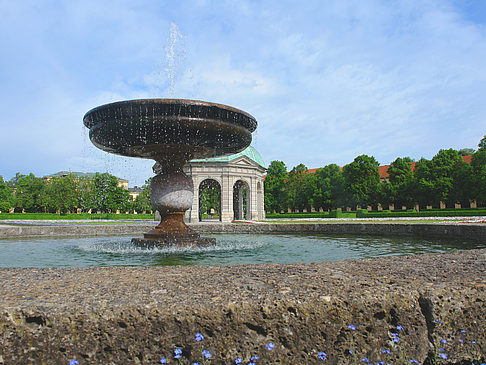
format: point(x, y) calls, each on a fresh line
point(231, 249)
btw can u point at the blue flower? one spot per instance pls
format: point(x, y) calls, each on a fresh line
point(206, 354)
point(163, 360)
point(443, 341)
point(199, 337)
point(270, 346)
point(460, 340)
point(365, 359)
point(254, 358)
point(400, 328)
point(352, 327)
point(473, 342)
point(238, 360)
point(444, 356)
point(463, 331)
point(177, 353)
point(380, 363)
point(73, 362)
point(251, 363)
point(322, 356)
point(412, 361)
point(196, 363)
point(386, 351)
point(396, 340)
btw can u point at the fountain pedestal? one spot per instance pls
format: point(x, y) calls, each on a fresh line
point(171, 193)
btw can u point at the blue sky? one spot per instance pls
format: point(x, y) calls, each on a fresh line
point(326, 80)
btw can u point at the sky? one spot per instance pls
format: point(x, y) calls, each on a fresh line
point(326, 80)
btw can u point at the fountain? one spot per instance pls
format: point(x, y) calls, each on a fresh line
point(171, 132)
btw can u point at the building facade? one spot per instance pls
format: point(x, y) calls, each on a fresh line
point(239, 179)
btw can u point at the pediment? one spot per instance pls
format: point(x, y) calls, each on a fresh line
point(243, 161)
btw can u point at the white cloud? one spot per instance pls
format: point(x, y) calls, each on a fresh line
point(326, 81)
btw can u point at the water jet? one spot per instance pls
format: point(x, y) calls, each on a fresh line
point(171, 132)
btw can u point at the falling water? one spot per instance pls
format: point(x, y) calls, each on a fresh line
point(174, 55)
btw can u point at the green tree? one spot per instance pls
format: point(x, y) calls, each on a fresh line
point(142, 202)
point(85, 193)
point(107, 195)
point(301, 186)
point(211, 198)
point(462, 190)
point(482, 143)
point(435, 178)
point(276, 193)
point(28, 192)
point(361, 181)
point(6, 196)
point(478, 166)
point(329, 190)
point(399, 191)
point(466, 151)
point(60, 194)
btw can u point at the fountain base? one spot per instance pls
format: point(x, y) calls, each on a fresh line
point(172, 231)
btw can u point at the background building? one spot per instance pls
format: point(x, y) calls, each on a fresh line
point(237, 180)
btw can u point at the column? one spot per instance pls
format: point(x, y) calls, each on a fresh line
point(226, 198)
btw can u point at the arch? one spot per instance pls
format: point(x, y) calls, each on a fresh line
point(241, 200)
point(209, 197)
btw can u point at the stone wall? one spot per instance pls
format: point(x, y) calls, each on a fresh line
point(468, 231)
point(136, 315)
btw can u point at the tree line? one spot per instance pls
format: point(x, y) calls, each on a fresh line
point(28, 193)
point(446, 178)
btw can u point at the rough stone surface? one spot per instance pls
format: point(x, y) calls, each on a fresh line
point(136, 315)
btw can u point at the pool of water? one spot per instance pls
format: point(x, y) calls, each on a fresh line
point(231, 249)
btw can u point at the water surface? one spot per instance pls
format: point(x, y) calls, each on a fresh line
point(231, 249)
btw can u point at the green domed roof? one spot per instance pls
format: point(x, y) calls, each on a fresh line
point(249, 152)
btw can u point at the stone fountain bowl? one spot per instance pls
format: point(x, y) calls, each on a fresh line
point(157, 128)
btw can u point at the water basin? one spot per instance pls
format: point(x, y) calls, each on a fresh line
point(231, 249)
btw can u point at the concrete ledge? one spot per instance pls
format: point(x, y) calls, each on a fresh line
point(469, 231)
point(12, 231)
point(137, 315)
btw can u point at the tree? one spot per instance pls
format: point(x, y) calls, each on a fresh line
point(361, 180)
point(399, 190)
point(85, 193)
point(462, 190)
point(466, 151)
point(107, 195)
point(478, 166)
point(60, 194)
point(482, 143)
point(6, 196)
point(329, 190)
point(435, 178)
point(211, 198)
point(276, 194)
point(28, 192)
point(142, 202)
point(301, 186)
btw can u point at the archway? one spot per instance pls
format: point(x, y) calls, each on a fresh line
point(209, 200)
point(241, 200)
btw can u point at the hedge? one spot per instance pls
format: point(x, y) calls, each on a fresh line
point(73, 216)
point(425, 213)
point(332, 214)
